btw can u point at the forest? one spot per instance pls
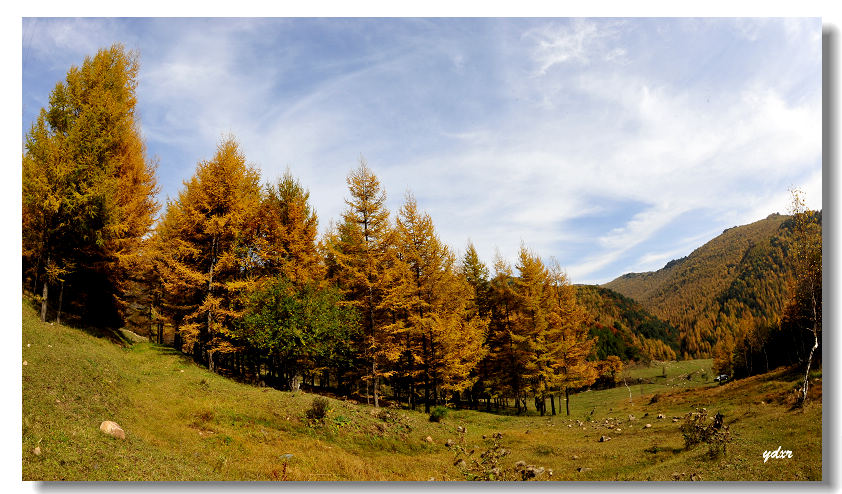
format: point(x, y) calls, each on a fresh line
point(738, 297)
point(377, 307)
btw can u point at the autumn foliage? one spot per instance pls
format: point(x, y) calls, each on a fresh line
point(377, 307)
point(88, 191)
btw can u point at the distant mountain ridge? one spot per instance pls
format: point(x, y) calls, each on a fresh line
point(731, 283)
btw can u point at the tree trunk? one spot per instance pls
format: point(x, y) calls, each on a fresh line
point(60, 297)
point(411, 397)
point(426, 374)
point(809, 361)
point(567, 400)
point(815, 330)
point(44, 303)
point(210, 291)
point(176, 339)
point(35, 278)
point(375, 383)
point(552, 403)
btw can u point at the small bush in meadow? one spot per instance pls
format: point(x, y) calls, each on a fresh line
point(318, 409)
point(699, 428)
point(438, 413)
point(488, 465)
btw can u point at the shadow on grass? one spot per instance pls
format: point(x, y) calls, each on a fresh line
point(168, 350)
point(71, 320)
point(163, 350)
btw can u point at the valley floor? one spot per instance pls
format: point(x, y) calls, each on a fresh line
point(183, 422)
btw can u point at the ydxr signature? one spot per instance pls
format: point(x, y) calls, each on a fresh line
point(778, 454)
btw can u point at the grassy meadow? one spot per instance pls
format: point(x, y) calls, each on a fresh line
point(183, 422)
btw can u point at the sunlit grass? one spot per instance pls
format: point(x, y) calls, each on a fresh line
point(183, 422)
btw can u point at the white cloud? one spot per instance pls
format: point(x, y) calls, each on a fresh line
point(529, 161)
point(579, 41)
point(673, 148)
point(66, 38)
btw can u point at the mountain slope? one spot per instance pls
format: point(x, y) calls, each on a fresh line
point(624, 327)
point(734, 282)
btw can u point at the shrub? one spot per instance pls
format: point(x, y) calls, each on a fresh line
point(438, 413)
point(318, 409)
point(699, 428)
point(386, 416)
point(489, 464)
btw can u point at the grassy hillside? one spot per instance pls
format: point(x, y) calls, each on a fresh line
point(624, 327)
point(183, 422)
point(736, 280)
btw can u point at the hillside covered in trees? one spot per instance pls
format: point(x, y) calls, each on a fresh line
point(624, 327)
point(736, 281)
point(378, 307)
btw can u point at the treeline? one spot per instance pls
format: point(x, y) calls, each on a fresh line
point(378, 306)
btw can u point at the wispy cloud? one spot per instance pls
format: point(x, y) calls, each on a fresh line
point(579, 41)
point(505, 130)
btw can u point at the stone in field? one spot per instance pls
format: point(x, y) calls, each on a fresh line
point(112, 429)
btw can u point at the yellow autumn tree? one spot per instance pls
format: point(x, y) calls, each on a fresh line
point(508, 349)
point(538, 343)
point(804, 308)
point(207, 258)
point(571, 344)
point(289, 229)
point(47, 210)
point(442, 339)
point(89, 187)
point(360, 255)
point(477, 277)
point(458, 336)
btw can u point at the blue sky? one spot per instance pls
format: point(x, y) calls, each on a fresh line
point(612, 145)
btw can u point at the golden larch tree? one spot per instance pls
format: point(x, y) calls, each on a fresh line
point(571, 342)
point(207, 253)
point(442, 338)
point(360, 253)
point(289, 229)
point(90, 186)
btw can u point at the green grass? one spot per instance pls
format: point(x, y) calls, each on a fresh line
point(183, 422)
point(676, 371)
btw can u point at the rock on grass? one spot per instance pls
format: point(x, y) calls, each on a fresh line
point(112, 429)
